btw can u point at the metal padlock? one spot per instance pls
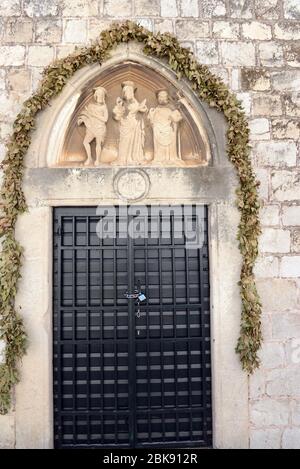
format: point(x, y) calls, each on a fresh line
point(141, 296)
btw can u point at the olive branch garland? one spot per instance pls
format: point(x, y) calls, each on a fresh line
point(210, 89)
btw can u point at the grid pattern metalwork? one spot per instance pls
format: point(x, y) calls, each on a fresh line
point(122, 380)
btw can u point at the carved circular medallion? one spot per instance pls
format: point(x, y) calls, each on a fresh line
point(131, 184)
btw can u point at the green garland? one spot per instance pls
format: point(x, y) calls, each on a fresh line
point(210, 89)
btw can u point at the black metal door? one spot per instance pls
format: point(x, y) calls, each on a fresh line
point(129, 375)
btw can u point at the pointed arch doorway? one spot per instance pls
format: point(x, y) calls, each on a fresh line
point(50, 183)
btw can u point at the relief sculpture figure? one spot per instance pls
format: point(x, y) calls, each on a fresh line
point(129, 113)
point(166, 138)
point(94, 116)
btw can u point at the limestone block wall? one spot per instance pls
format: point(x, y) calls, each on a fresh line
point(254, 46)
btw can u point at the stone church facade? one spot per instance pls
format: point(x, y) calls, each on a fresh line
point(95, 146)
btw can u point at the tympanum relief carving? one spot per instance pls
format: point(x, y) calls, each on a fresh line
point(134, 117)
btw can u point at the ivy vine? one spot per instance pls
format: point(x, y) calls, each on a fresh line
point(210, 89)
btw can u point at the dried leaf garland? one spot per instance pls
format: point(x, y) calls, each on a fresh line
point(210, 89)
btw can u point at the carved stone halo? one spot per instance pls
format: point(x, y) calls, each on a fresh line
point(131, 184)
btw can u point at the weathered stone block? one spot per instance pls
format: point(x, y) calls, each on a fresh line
point(238, 53)
point(266, 105)
point(9, 106)
point(270, 54)
point(37, 8)
point(48, 31)
point(267, 412)
point(164, 26)
point(287, 31)
point(256, 79)
point(285, 128)
point(292, 104)
point(296, 413)
point(291, 438)
point(267, 9)
point(18, 80)
point(263, 177)
point(291, 215)
point(296, 240)
point(95, 26)
point(188, 45)
point(292, 351)
point(286, 326)
point(269, 215)
point(292, 54)
point(291, 9)
point(245, 99)
point(36, 76)
point(272, 355)
point(235, 79)
point(19, 31)
point(5, 130)
point(146, 8)
point(220, 72)
point(40, 56)
point(212, 8)
point(286, 80)
point(275, 240)
point(265, 439)
point(145, 22)
point(276, 153)
point(278, 294)
point(256, 30)
point(207, 52)
point(169, 8)
point(191, 30)
point(283, 382)
point(12, 56)
point(84, 8)
point(188, 8)
point(225, 30)
point(290, 266)
point(259, 129)
point(61, 52)
point(75, 31)
point(285, 185)
point(119, 9)
point(257, 384)
point(2, 79)
point(241, 9)
point(277, 383)
point(266, 267)
point(11, 8)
